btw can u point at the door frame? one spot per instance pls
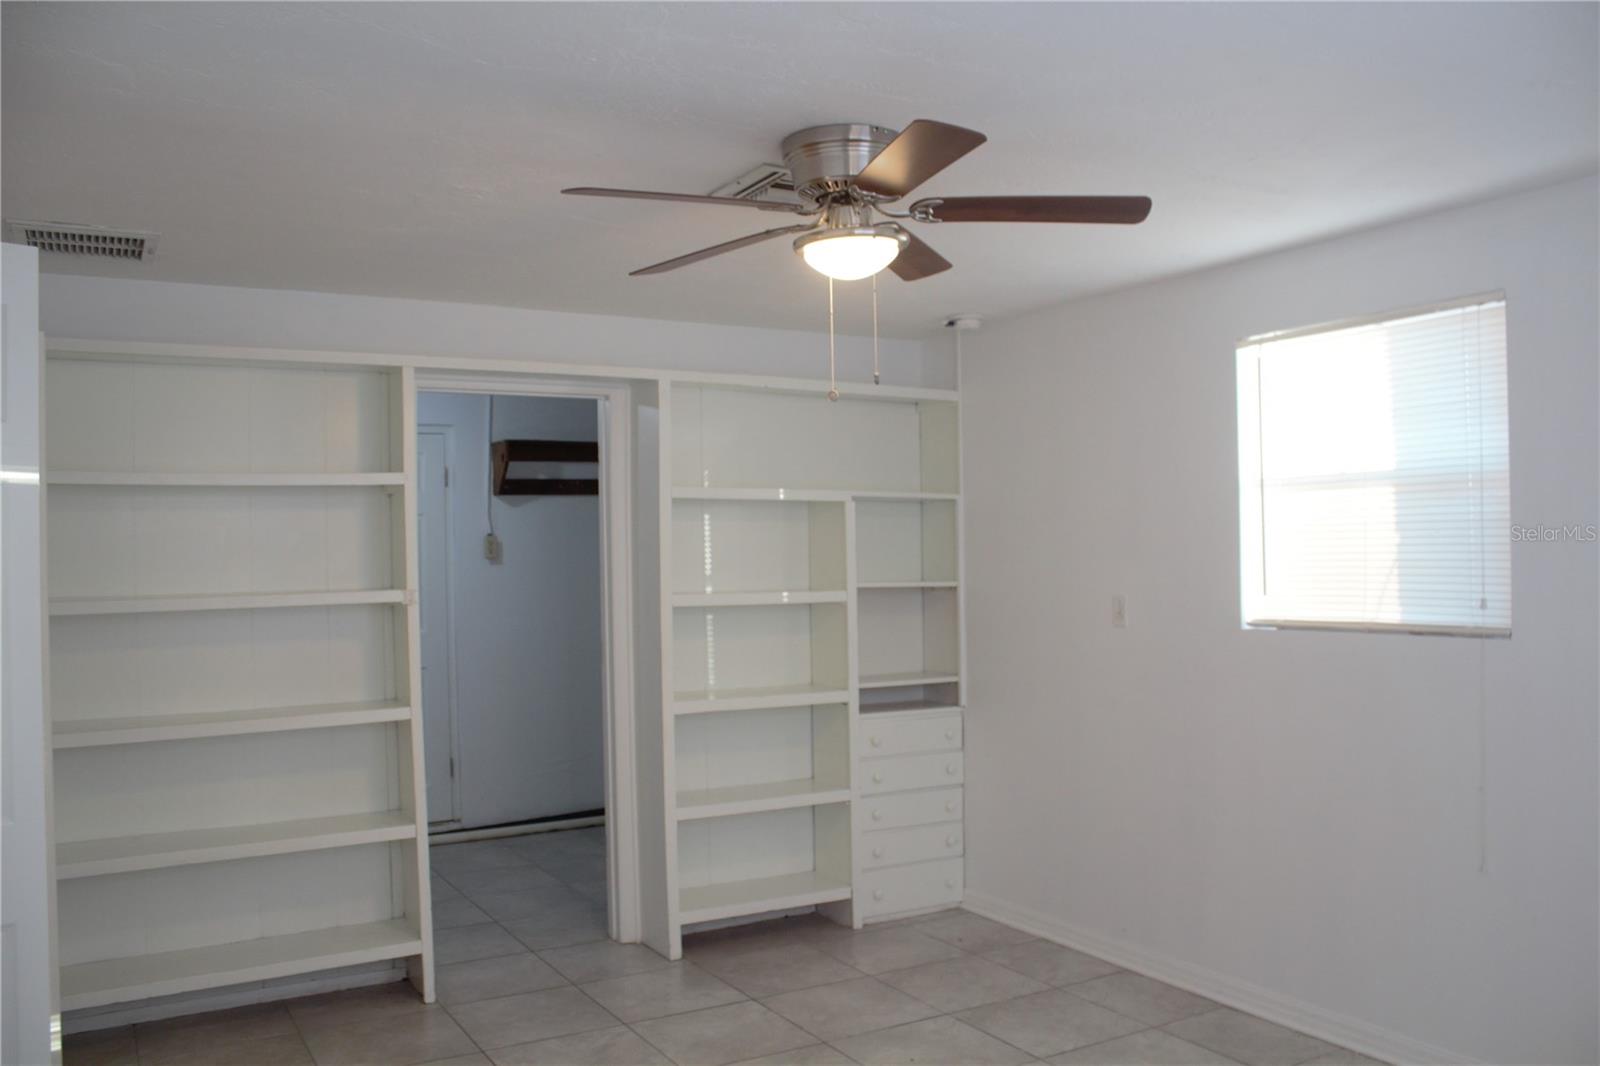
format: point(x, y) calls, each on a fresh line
point(616, 605)
point(448, 433)
point(27, 832)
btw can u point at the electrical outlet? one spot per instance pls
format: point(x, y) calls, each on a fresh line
point(492, 548)
point(1119, 611)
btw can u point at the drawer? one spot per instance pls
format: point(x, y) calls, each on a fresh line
point(912, 808)
point(883, 735)
point(900, 889)
point(892, 847)
point(910, 771)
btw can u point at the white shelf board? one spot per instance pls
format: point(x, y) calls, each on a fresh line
point(87, 605)
point(868, 586)
point(731, 899)
point(690, 492)
point(757, 599)
point(754, 799)
point(907, 706)
point(778, 495)
point(865, 495)
point(756, 699)
point(96, 984)
point(154, 851)
point(852, 390)
point(105, 732)
point(218, 480)
point(907, 680)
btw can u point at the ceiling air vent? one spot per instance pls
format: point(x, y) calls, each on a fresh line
point(769, 182)
point(65, 238)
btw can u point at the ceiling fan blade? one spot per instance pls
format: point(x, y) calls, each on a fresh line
point(916, 260)
point(687, 198)
point(717, 249)
point(1124, 210)
point(920, 151)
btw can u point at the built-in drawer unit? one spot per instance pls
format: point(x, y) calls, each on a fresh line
point(902, 889)
point(882, 735)
point(913, 808)
point(909, 842)
point(910, 771)
point(894, 847)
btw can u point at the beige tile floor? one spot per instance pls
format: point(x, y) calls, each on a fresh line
point(527, 976)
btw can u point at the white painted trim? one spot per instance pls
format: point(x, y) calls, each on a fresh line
point(1340, 1029)
point(68, 347)
point(616, 523)
point(448, 432)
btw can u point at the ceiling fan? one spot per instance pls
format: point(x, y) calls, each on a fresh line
point(845, 173)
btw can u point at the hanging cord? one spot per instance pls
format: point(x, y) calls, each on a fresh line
point(877, 379)
point(833, 380)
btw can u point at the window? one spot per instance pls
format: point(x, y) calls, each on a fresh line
point(1373, 474)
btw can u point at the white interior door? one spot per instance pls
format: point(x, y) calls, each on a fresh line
point(28, 980)
point(433, 560)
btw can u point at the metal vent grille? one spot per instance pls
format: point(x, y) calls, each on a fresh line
point(767, 182)
point(67, 239)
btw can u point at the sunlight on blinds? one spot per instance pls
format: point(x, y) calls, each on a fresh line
point(1374, 474)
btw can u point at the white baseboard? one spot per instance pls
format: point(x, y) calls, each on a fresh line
point(1339, 1029)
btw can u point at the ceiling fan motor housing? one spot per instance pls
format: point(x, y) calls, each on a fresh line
point(823, 159)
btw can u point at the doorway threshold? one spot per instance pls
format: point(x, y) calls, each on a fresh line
point(516, 829)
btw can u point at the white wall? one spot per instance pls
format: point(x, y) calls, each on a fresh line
point(528, 657)
point(1288, 811)
point(158, 311)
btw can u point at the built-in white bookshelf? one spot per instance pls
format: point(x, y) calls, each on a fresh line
point(233, 649)
point(810, 572)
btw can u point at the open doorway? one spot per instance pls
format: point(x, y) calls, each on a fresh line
point(509, 560)
point(525, 874)
point(511, 577)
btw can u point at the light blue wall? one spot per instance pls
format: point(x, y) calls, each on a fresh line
point(527, 630)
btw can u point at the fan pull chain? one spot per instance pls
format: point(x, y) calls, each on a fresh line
point(876, 378)
point(833, 383)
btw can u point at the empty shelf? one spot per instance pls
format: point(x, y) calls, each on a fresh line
point(755, 599)
point(891, 706)
point(83, 605)
point(103, 732)
point(221, 481)
point(753, 799)
point(906, 495)
point(731, 899)
point(691, 492)
point(127, 854)
point(95, 984)
point(907, 680)
point(776, 495)
point(866, 585)
point(756, 699)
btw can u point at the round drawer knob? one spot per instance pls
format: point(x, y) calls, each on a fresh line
point(950, 768)
point(877, 853)
point(951, 806)
point(949, 734)
point(877, 816)
point(877, 893)
point(877, 779)
point(951, 841)
point(877, 742)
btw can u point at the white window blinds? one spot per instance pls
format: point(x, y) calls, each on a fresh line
point(1373, 471)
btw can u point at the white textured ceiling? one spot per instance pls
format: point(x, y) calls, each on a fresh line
point(417, 149)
